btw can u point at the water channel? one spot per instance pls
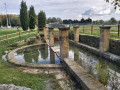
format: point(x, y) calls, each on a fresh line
point(107, 73)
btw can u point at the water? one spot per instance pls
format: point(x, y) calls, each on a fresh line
point(40, 54)
point(107, 73)
point(4, 56)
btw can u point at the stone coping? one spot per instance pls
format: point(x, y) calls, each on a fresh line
point(82, 76)
point(105, 27)
point(115, 39)
point(106, 55)
point(12, 60)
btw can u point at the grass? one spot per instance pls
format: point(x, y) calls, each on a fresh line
point(96, 30)
point(12, 75)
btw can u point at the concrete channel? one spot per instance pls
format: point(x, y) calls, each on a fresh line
point(81, 75)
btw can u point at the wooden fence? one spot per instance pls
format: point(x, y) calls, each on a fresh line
point(91, 29)
point(19, 34)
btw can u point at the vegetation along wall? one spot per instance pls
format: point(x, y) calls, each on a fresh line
point(93, 41)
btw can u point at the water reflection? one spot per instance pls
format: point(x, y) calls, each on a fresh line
point(37, 55)
point(52, 56)
point(107, 73)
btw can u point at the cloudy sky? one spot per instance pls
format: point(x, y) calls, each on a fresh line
point(66, 9)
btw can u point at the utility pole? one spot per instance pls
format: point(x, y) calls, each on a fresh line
point(6, 15)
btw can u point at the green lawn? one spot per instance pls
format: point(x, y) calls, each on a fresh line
point(10, 74)
point(86, 29)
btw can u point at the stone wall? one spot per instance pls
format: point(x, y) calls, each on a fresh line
point(89, 40)
point(93, 41)
point(114, 46)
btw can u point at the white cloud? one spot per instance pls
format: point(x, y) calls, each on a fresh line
point(99, 12)
point(74, 9)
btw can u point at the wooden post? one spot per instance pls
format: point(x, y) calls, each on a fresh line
point(38, 30)
point(19, 35)
point(118, 29)
point(91, 29)
point(29, 33)
point(7, 38)
point(83, 29)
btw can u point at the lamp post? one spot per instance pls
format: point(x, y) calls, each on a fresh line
point(6, 14)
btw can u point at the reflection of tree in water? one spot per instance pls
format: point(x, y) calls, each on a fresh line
point(42, 49)
point(28, 55)
point(103, 72)
point(46, 50)
point(35, 56)
point(52, 57)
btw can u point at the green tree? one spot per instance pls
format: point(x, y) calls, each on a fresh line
point(32, 18)
point(112, 20)
point(41, 19)
point(4, 21)
point(24, 19)
point(15, 21)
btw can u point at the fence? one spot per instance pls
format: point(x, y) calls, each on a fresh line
point(95, 30)
point(19, 35)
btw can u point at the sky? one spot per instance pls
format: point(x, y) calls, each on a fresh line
point(65, 9)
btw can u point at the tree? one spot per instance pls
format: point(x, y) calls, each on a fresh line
point(32, 18)
point(24, 19)
point(41, 19)
point(115, 3)
point(53, 20)
point(112, 20)
point(15, 21)
point(101, 22)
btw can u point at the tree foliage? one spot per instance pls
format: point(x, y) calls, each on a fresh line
point(115, 3)
point(32, 18)
point(41, 19)
point(15, 21)
point(112, 21)
point(82, 21)
point(24, 18)
point(54, 19)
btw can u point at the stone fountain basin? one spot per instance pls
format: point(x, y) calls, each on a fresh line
point(13, 60)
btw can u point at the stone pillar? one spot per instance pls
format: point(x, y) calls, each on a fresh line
point(64, 43)
point(76, 33)
point(52, 57)
point(104, 38)
point(45, 33)
point(51, 36)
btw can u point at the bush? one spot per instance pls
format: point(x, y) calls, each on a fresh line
point(14, 45)
point(71, 34)
point(31, 41)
